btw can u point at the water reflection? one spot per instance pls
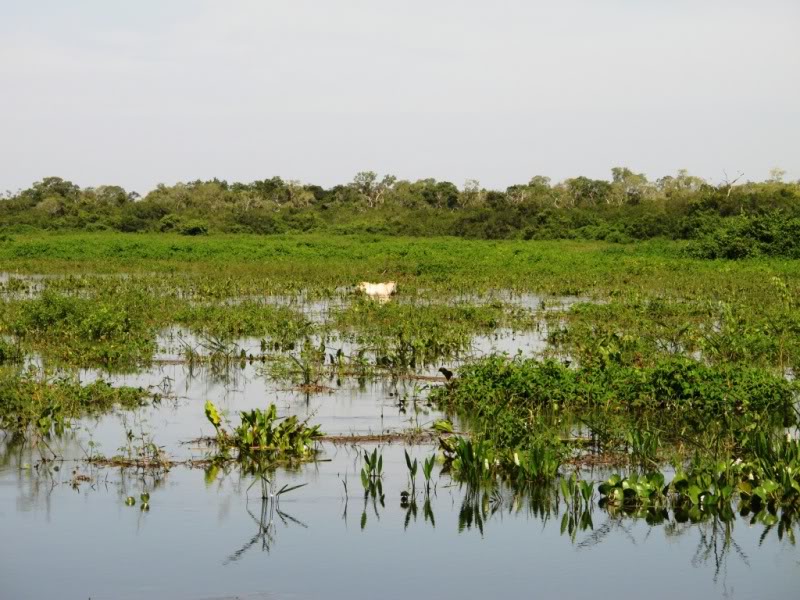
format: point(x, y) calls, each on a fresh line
point(271, 515)
point(266, 523)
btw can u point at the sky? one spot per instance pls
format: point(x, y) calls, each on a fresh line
point(160, 91)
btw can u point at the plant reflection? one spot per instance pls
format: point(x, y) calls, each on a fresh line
point(265, 521)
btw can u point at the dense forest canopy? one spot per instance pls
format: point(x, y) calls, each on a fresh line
point(731, 220)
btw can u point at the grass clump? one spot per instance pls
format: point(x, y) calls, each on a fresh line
point(481, 461)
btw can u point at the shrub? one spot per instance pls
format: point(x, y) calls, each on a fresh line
point(194, 227)
point(748, 237)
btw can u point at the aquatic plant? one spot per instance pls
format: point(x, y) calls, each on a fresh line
point(404, 336)
point(271, 496)
point(261, 434)
point(577, 497)
point(372, 482)
point(140, 450)
point(633, 490)
point(145, 501)
point(36, 403)
point(468, 460)
point(510, 402)
point(372, 475)
point(427, 471)
point(109, 331)
point(280, 324)
point(540, 461)
point(412, 472)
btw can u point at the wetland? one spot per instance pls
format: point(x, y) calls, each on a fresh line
point(229, 417)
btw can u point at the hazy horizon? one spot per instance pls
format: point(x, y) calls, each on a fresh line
point(160, 92)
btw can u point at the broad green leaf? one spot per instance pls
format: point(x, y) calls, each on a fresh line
point(212, 414)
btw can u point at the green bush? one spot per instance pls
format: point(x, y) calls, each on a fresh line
point(749, 237)
point(194, 227)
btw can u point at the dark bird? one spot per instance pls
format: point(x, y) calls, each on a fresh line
point(446, 372)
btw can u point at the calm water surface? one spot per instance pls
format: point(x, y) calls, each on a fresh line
point(209, 535)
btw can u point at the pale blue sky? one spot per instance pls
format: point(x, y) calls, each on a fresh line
point(138, 93)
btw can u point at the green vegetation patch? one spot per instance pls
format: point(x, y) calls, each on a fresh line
point(262, 438)
point(409, 334)
point(512, 402)
point(30, 400)
point(761, 329)
point(244, 319)
point(773, 234)
point(732, 221)
point(85, 331)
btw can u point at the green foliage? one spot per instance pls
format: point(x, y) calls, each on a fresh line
point(480, 461)
point(772, 234)
point(427, 471)
point(261, 435)
point(769, 481)
point(41, 405)
point(212, 414)
point(223, 266)
point(412, 471)
point(372, 475)
point(634, 490)
point(103, 331)
point(194, 227)
point(731, 221)
point(408, 335)
point(244, 319)
point(472, 461)
point(540, 461)
point(443, 426)
point(577, 496)
point(9, 353)
point(760, 328)
point(510, 402)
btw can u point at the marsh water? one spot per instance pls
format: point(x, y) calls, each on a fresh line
point(208, 534)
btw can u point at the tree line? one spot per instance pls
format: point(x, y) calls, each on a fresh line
point(624, 208)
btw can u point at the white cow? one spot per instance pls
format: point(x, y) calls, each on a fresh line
point(380, 291)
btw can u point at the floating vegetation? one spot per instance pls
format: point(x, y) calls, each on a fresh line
point(34, 403)
point(709, 488)
point(263, 437)
point(144, 504)
point(678, 401)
